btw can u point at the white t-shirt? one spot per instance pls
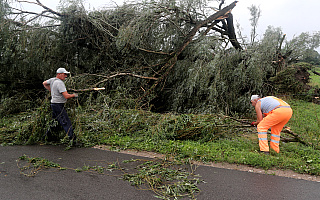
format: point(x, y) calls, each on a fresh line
point(57, 86)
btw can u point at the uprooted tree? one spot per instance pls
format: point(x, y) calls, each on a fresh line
point(166, 55)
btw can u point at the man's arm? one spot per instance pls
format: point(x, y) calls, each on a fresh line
point(259, 113)
point(68, 96)
point(46, 85)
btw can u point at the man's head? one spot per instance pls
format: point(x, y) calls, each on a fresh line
point(62, 73)
point(254, 99)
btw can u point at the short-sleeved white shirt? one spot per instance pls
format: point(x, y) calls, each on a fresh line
point(57, 86)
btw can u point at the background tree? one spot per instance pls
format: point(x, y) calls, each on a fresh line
point(255, 15)
point(311, 56)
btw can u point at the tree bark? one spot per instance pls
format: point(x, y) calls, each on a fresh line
point(231, 33)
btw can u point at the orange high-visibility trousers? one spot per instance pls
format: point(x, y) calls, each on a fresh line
point(275, 119)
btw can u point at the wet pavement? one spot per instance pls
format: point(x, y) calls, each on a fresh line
point(68, 184)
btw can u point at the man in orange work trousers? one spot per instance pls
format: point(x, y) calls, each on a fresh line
point(271, 112)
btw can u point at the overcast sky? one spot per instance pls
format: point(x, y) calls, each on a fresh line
point(293, 16)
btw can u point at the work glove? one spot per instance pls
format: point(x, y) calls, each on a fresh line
point(76, 95)
point(252, 124)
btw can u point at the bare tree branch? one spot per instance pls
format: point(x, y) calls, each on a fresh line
point(220, 6)
point(48, 9)
point(32, 13)
point(124, 74)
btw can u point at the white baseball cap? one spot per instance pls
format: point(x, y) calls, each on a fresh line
point(253, 97)
point(62, 71)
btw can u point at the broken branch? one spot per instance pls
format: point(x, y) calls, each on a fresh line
point(88, 89)
point(125, 74)
point(286, 129)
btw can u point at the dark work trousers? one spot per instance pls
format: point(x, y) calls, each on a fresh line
point(59, 113)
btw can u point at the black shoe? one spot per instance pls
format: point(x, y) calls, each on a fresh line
point(74, 143)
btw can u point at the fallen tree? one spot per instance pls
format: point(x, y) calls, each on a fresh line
point(95, 32)
point(171, 55)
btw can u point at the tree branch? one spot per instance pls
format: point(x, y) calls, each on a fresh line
point(220, 6)
point(48, 9)
point(87, 89)
point(211, 18)
point(172, 61)
point(296, 136)
point(32, 13)
point(124, 74)
point(231, 33)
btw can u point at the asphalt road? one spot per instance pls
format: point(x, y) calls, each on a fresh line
point(68, 184)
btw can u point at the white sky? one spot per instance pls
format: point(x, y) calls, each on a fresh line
point(293, 16)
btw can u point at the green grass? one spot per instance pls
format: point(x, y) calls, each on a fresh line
point(207, 138)
point(305, 121)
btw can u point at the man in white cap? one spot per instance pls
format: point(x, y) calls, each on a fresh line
point(59, 96)
point(271, 112)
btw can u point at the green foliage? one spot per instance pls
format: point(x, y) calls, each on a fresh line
point(26, 128)
point(31, 166)
point(168, 179)
point(207, 138)
point(255, 14)
point(99, 169)
point(306, 120)
point(304, 65)
point(292, 80)
point(140, 39)
point(164, 180)
point(303, 45)
point(213, 83)
point(312, 57)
